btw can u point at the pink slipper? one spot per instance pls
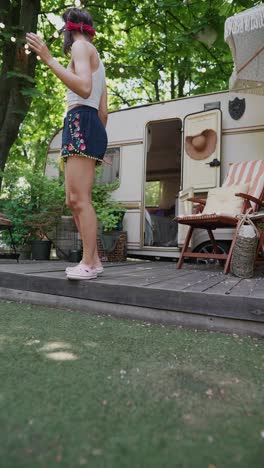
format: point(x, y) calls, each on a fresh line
point(68, 269)
point(99, 270)
point(81, 272)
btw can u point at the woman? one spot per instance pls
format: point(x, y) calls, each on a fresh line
point(84, 137)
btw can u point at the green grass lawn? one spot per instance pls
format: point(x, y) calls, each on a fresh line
point(79, 390)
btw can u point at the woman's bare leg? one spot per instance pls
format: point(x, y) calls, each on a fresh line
point(79, 177)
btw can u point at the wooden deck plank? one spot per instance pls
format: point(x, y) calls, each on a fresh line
point(50, 266)
point(55, 274)
point(245, 287)
point(143, 278)
point(32, 267)
point(258, 287)
point(108, 271)
point(139, 279)
point(139, 270)
point(183, 282)
point(206, 282)
point(224, 287)
point(131, 276)
point(132, 267)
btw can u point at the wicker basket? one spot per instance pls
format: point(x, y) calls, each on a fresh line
point(112, 247)
point(243, 258)
point(244, 252)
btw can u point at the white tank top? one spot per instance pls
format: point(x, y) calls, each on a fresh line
point(98, 85)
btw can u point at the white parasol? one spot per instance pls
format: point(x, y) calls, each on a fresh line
point(244, 34)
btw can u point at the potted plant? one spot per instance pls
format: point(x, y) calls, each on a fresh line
point(34, 203)
point(41, 226)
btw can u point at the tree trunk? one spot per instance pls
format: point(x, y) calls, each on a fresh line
point(172, 85)
point(157, 92)
point(17, 72)
point(181, 83)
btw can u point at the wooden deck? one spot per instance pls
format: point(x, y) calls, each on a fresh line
point(198, 297)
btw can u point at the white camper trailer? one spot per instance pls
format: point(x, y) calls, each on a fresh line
point(156, 175)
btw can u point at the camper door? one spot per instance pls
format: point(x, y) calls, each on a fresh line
point(202, 150)
point(201, 160)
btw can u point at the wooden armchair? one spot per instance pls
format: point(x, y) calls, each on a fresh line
point(249, 173)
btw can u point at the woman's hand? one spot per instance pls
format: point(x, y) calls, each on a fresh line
point(80, 82)
point(36, 44)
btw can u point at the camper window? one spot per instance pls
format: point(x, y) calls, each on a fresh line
point(110, 170)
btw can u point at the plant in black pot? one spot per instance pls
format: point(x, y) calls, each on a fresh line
point(34, 203)
point(41, 226)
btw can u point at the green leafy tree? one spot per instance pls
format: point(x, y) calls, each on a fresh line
point(152, 49)
point(17, 69)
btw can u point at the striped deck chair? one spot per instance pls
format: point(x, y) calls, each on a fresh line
point(247, 172)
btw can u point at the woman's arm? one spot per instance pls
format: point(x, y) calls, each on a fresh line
point(79, 82)
point(102, 111)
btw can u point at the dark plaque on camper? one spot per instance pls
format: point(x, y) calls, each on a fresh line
point(237, 108)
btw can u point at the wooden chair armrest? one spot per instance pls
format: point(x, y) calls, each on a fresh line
point(197, 200)
point(248, 197)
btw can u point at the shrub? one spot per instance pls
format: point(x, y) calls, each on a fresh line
point(108, 211)
point(33, 202)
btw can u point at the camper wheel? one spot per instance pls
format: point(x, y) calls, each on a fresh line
point(206, 247)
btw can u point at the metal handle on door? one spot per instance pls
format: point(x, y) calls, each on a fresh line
point(214, 163)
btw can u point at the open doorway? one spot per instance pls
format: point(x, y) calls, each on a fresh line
point(162, 182)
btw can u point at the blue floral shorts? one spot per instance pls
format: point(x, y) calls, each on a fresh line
point(83, 134)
